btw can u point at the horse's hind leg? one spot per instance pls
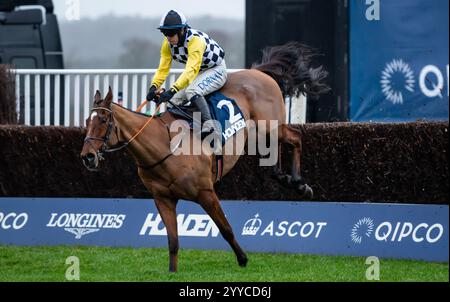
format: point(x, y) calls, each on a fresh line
point(167, 210)
point(210, 203)
point(292, 136)
point(278, 173)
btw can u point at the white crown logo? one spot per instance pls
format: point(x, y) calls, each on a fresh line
point(252, 226)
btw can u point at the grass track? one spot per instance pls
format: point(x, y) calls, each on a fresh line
point(129, 264)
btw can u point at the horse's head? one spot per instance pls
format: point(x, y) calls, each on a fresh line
point(101, 131)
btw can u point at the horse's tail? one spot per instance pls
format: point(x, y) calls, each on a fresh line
point(290, 65)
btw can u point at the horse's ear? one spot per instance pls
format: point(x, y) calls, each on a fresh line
point(97, 97)
point(109, 96)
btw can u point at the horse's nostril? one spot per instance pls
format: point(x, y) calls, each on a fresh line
point(90, 156)
point(88, 159)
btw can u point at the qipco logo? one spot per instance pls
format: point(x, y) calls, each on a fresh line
point(13, 220)
point(402, 231)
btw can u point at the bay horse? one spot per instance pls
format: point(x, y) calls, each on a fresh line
point(259, 92)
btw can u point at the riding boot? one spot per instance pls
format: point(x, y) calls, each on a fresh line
point(200, 102)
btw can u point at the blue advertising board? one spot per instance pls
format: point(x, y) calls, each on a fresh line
point(326, 228)
point(399, 60)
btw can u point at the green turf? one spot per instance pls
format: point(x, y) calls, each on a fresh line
point(130, 264)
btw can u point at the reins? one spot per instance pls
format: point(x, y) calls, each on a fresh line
point(135, 135)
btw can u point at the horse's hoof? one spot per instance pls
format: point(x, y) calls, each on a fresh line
point(297, 181)
point(243, 262)
point(306, 191)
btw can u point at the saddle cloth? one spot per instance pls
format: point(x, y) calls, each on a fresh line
point(224, 111)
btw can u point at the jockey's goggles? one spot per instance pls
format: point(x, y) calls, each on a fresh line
point(170, 32)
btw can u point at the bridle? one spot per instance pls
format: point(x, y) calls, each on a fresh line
point(106, 149)
point(105, 139)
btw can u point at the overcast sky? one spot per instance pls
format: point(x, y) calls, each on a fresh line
point(150, 8)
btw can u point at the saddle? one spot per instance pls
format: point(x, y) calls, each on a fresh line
point(227, 115)
point(185, 112)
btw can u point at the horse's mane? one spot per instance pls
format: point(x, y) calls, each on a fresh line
point(290, 65)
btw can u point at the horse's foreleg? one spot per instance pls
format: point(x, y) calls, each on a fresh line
point(210, 203)
point(293, 137)
point(167, 210)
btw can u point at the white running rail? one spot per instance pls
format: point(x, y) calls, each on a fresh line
point(65, 96)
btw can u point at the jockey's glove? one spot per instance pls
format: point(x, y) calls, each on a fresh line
point(166, 96)
point(151, 95)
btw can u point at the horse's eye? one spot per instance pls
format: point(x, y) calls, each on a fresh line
point(104, 120)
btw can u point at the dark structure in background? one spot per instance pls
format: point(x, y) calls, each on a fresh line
point(29, 35)
point(30, 39)
point(321, 24)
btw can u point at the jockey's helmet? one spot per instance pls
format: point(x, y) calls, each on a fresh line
point(172, 22)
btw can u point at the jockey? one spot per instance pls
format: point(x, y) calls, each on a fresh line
point(205, 70)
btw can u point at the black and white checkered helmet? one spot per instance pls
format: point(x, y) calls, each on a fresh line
point(172, 20)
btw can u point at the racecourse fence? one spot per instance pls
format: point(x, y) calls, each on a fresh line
point(361, 163)
point(64, 96)
point(353, 162)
